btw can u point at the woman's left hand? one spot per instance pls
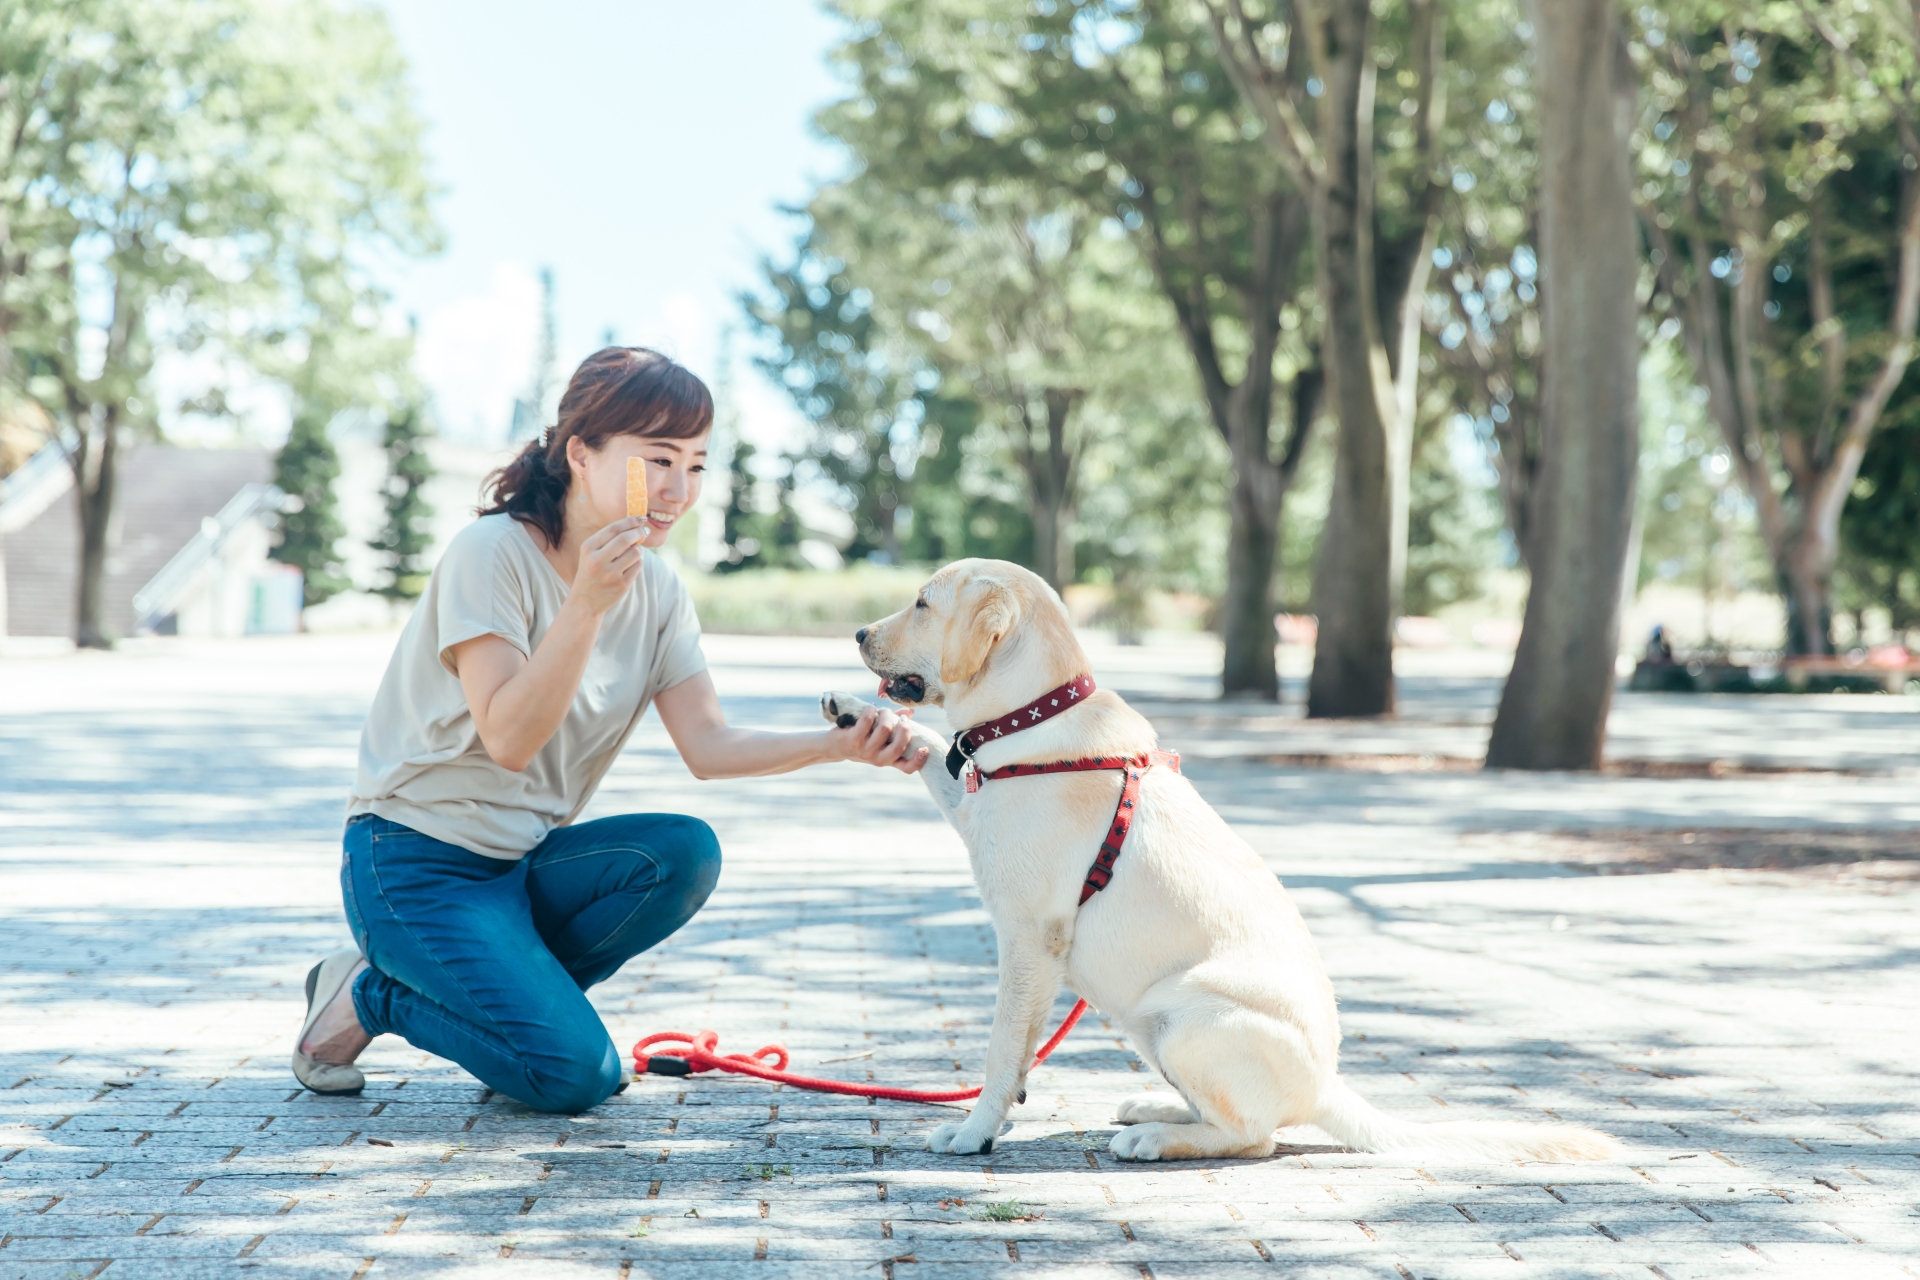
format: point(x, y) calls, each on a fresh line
point(881, 737)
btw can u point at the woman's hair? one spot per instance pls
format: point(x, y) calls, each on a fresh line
point(616, 391)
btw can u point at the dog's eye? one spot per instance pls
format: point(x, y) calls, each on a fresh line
point(919, 604)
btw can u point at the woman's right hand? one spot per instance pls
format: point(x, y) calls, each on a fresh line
point(609, 562)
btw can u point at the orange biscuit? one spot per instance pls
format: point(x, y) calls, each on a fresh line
point(636, 487)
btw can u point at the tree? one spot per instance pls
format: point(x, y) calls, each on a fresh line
point(403, 541)
point(202, 176)
point(310, 530)
point(1124, 109)
point(864, 396)
point(1781, 194)
point(1553, 709)
point(1309, 71)
point(1000, 290)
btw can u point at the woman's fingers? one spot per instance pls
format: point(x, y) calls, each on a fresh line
point(600, 538)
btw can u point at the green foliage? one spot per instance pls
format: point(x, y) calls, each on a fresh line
point(1777, 159)
point(1880, 528)
point(200, 176)
point(863, 399)
point(1452, 527)
point(404, 540)
point(310, 531)
point(756, 539)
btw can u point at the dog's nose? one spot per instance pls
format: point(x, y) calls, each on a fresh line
point(860, 636)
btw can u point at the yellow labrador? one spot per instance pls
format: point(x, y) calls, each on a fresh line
point(1193, 948)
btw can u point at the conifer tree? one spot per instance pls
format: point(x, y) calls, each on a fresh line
point(310, 529)
point(404, 540)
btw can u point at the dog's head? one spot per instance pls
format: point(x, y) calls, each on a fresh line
point(974, 622)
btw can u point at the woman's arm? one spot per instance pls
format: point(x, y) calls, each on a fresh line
point(519, 702)
point(714, 749)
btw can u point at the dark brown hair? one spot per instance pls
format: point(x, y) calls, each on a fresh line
point(616, 391)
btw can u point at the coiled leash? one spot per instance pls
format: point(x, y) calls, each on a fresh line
point(701, 1051)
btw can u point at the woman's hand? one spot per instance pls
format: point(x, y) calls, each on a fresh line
point(881, 737)
point(609, 562)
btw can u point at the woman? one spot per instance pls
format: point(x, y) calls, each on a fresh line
point(481, 910)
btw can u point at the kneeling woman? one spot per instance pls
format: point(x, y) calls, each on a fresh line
point(482, 911)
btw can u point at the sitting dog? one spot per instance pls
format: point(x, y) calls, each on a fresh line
point(1177, 931)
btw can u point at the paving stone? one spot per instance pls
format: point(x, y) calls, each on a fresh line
point(168, 871)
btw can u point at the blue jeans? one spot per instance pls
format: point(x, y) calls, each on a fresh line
point(487, 962)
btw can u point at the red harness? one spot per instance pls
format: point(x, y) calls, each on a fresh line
point(1045, 707)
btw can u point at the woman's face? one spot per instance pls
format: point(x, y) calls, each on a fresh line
point(598, 495)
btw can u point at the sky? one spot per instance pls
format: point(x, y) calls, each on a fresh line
point(640, 150)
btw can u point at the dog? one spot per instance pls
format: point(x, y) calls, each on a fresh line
point(1192, 947)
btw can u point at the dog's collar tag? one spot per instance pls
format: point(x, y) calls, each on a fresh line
point(973, 777)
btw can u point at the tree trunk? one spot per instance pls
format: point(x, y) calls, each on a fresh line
point(1050, 484)
point(1553, 711)
point(1249, 669)
point(1401, 268)
point(93, 501)
point(1352, 591)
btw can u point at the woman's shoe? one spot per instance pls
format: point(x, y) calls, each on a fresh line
point(324, 981)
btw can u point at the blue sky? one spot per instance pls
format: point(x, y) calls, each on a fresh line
point(639, 149)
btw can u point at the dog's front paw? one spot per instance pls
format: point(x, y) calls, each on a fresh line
point(842, 708)
point(961, 1139)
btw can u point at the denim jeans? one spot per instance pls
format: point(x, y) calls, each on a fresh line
point(487, 962)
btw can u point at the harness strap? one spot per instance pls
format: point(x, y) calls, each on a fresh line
point(1100, 874)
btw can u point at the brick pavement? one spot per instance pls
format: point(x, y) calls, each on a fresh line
point(166, 876)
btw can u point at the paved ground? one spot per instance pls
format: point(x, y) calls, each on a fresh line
point(168, 821)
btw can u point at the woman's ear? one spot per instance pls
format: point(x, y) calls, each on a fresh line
point(987, 609)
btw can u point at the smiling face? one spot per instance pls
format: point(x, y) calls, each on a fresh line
point(597, 495)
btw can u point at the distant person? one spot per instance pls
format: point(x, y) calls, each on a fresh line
point(482, 911)
point(1659, 650)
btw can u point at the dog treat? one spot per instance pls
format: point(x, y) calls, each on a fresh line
point(636, 487)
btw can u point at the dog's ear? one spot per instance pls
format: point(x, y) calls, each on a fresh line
point(987, 610)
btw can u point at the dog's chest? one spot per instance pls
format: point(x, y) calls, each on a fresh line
point(1027, 835)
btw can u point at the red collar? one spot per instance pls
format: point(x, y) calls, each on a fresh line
point(1045, 707)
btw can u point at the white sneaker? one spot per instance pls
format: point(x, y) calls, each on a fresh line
point(324, 981)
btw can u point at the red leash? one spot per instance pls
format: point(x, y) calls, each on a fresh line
point(701, 1054)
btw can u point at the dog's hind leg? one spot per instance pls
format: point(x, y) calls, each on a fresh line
point(1155, 1108)
point(1243, 1073)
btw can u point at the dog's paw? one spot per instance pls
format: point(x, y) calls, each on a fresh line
point(1149, 1108)
point(960, 1139)
point(1146, 1140)
point(842, 708)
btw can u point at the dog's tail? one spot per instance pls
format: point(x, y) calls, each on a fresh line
point(1355, 1122)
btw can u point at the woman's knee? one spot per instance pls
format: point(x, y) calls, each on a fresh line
point(576, 1082)
point(688, 853)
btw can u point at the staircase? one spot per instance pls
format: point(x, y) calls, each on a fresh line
point(164, 495)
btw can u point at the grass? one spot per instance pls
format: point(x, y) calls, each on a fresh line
point(1004, 1211)
point(800, 602)
point(768, 1172)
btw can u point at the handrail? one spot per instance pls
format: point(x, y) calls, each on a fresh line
point(48, 468)
point(155, 600)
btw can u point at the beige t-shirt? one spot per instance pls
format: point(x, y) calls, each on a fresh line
point(421, 760)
